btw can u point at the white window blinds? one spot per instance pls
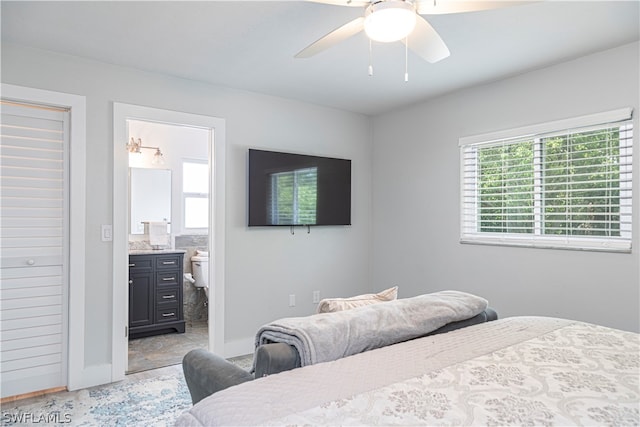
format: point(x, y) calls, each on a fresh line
point(565, 184)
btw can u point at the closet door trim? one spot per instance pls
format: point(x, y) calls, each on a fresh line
point(78, 375)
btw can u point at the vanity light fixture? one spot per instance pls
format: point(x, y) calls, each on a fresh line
point(134, 146)
point(158, 158)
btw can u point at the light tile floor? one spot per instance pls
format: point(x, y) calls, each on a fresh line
point(167, 349)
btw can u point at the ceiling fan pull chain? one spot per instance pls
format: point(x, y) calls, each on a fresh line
point(406, 59)
point(370, 59)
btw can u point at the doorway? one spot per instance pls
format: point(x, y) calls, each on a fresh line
point(127, 116)
point(168, 183)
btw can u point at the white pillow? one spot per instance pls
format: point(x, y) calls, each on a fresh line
point(330, 305)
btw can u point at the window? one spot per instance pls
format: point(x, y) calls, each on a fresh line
point(293, 197)
point(195, 194)
point(565, 184)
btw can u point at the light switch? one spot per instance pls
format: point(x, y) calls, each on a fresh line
point(107, 233)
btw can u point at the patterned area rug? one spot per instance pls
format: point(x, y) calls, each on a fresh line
point(156, 401)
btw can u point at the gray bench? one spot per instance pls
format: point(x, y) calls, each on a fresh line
point(207, 373)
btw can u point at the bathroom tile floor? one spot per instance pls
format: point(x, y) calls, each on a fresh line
point(166, 350)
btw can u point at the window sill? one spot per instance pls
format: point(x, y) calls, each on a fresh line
point(591, 245)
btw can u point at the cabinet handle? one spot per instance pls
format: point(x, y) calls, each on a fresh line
point(168, 296)
point(131, 282)
point(168, 314)
point(168, 262)
point(167, 279)
point(132, 265)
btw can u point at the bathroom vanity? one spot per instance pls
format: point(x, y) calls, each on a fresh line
point(155, 293)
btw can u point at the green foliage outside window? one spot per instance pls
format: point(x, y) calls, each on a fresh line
point(571, 181)
point(506, 188)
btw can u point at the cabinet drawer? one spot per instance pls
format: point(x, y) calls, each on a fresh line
point(167, 314)
point(167, 278)
point(168, 262)
point(167, 295)
point(140, 263)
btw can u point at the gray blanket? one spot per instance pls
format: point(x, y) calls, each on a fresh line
point(331, 336)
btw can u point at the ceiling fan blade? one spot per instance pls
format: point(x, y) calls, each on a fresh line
point(352, 3)
point(439, 7)
point(426, 42)
point(336, 36)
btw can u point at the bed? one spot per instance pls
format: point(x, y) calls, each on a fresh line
point(513, 371)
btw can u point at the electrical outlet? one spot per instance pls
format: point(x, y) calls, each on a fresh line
point(316, 297)
point(292, 300)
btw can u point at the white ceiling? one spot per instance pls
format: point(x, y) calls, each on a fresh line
point(250, 44)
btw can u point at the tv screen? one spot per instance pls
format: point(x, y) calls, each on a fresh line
point(295, 189)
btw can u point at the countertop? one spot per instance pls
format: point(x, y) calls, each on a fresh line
point(156, 251)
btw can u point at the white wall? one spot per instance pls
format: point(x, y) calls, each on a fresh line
point(416, 197)
point(415, 202)
point(263, 266)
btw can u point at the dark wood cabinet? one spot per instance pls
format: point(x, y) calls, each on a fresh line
point(140, 300)
point(155, 294)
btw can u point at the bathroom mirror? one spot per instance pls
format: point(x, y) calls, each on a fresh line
point(150, 197)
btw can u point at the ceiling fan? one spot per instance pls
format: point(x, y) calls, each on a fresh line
point(400, 20)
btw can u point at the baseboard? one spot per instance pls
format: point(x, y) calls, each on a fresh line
point(239, 347)
point(40, 393)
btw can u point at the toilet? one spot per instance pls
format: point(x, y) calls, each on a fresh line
point(200, 269)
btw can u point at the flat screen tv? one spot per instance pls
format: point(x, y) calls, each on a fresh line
point(293, 189)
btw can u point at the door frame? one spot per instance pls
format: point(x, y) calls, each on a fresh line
point(217, 152)
point(77, 375)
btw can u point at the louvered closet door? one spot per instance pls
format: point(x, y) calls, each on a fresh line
point(33, 230)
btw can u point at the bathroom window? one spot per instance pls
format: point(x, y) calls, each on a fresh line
point(195, 194)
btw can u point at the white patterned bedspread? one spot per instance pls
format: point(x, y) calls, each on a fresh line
point(514, 371)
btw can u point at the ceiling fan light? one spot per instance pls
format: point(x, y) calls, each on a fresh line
point(389, 21)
